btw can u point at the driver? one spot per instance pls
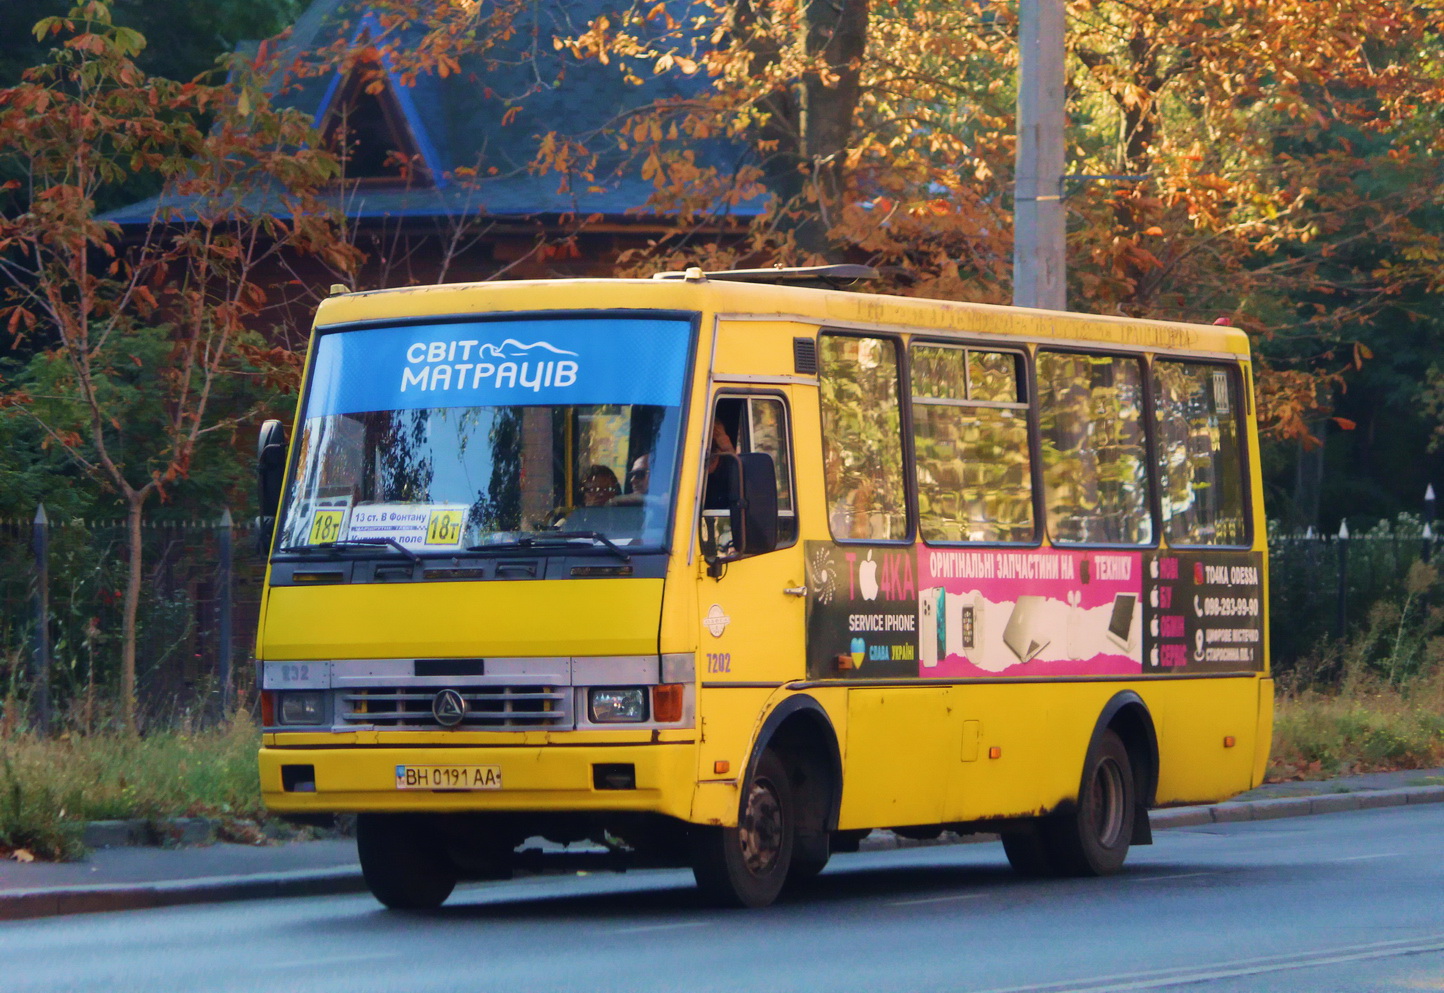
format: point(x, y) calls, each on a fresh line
point(599, 486)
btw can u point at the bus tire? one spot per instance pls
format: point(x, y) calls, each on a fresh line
point(403, 863)
point(807, 866)
point(746, 866)
point(1027, 851)
point(1092, 839)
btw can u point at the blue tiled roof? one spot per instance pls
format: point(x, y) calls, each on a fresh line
point(457, 122)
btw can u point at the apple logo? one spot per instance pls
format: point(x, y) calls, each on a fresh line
point(1153, 596)
point(1153, 568)
point(1154, 655)
point(1154, 627)
point(867, 578)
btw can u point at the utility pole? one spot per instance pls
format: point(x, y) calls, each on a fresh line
point(1039, 222)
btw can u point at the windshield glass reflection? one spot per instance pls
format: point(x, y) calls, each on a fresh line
point(420, 467)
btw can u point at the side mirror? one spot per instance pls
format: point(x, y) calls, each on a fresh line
point(270, 471)
point(746, 487)
point(754, 515)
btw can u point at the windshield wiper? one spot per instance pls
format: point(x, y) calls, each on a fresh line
point(553, 538)
point(356, 543)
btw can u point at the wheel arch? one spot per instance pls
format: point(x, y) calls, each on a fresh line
point(800, 729)
point(1127, 716)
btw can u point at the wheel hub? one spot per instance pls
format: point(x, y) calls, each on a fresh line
point(1105, 802)
point(760, 829)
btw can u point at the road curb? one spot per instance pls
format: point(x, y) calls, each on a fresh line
point(139, 833)
point(1293, 806)
point(64, 900)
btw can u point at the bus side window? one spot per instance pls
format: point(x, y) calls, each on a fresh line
point(970, 434)
point(862, 438)
point(1200, 453)
point(1095, 453)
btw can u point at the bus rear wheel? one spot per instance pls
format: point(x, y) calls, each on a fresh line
point(1027, 851)
point(403, 862)
point(1093, 839)
point(746, 866)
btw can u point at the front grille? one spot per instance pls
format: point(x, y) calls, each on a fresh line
point(487, 707)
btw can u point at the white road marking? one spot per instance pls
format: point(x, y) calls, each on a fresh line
point(1176, 875)
point(937, 899)
point(308, 963)
point(1163, 978)
point(658, 927)
point(1365, 858)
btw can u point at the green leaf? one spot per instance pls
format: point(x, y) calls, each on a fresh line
point(129, 40)
point(45, 26)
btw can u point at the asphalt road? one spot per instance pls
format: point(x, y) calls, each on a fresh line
point(1339, 903)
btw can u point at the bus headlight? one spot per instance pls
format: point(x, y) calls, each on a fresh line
point(302, 708)
point(618, 704)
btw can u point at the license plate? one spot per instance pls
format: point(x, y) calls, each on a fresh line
point(448, 777)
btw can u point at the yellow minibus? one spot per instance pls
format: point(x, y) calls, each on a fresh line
point(725, 570)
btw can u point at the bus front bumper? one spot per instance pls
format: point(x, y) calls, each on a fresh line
point(511, 778)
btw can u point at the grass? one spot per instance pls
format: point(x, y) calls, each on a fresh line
point(50, 787)
point(1367, 725)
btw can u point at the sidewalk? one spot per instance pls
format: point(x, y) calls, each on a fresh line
point(127, 878)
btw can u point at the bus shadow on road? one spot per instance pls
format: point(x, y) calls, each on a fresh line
point(641, 898)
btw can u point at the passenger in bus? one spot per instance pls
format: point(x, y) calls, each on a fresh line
point(641, 475)
point(715, 496)
point(599, 486)
point(639, 478)
point(721, 445)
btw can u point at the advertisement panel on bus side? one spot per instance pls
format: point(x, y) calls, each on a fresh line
point(891, 612)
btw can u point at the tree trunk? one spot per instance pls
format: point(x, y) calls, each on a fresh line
point(810, 121)
point(135, 502)
point(837, 34)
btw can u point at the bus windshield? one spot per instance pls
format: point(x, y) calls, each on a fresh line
point(445, 438)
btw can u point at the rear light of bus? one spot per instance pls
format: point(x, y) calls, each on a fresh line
point(667, 703)
point(268, 709)
point(618, 704)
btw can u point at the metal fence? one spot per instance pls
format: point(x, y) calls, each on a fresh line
point(202, 584)
point(195, 627)
point(1322, 587)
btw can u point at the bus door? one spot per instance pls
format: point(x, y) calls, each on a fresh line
point(752, 606)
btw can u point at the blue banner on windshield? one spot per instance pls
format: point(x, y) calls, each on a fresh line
point(501, 364)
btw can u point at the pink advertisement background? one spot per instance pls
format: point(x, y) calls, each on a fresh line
point(1060, 627)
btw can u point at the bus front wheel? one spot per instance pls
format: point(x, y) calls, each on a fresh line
point(402, 862)
point(746, 866)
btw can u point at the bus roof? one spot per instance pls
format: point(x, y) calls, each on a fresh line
point(757, 301)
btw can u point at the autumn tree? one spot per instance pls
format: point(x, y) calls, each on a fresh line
point(1273, 164)
point(137, 340)
point(1268, 162)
